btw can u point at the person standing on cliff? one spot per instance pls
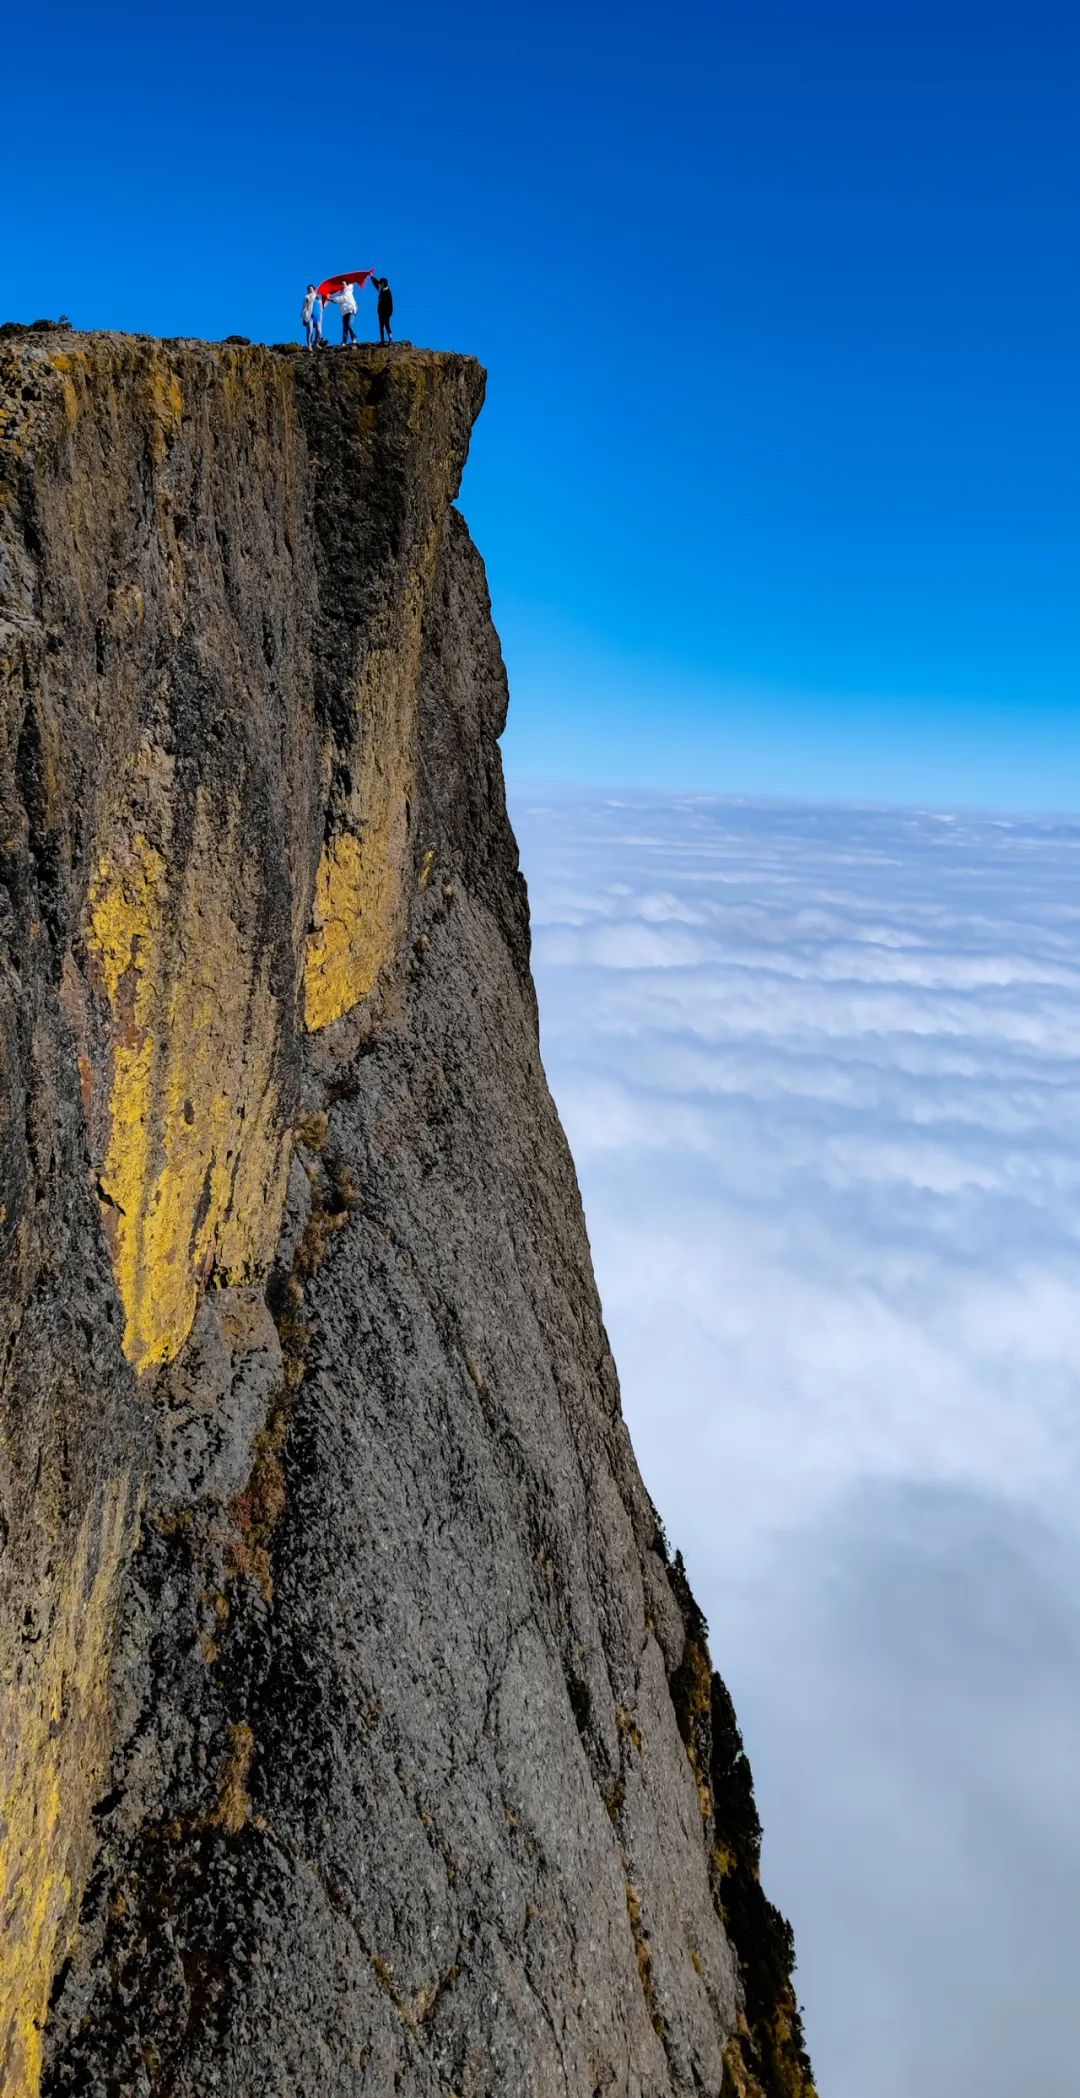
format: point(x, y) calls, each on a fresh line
point(346, 299)
point(386, 308)
point(311, 315)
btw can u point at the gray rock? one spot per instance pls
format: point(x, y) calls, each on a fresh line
point(357, 1736)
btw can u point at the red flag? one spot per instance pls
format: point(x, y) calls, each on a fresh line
point(332, 284)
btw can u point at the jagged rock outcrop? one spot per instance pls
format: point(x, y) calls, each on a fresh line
point(356, 1734)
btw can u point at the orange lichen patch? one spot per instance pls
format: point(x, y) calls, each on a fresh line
point(195, 1158)
point(53, 1749)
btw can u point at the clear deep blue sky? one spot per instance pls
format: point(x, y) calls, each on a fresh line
point(778, 479)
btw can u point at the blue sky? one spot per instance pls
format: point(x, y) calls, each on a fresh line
point(779, 489)
point(778, 482)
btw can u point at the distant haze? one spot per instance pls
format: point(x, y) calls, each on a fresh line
point(819, 1067)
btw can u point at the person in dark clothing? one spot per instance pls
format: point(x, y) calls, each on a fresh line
point(386, 309)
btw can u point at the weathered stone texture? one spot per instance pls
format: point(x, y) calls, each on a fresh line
point(352, 1734)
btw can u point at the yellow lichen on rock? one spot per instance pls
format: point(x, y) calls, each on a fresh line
point(234, 1801)
point(193, 1169)
point(126, 910)
point(359, 904)
point(166, 402)
point(53, 1748)
point(337, 972)
point(64, 364)
point(357, 911)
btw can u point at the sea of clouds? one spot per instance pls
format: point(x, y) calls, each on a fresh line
point(820, 1069)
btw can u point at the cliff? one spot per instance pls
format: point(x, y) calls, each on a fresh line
point(357, 1735)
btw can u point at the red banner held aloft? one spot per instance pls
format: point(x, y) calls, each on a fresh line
point(330, 285)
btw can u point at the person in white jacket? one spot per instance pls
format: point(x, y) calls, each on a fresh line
point(311, 316)
point(346, 299)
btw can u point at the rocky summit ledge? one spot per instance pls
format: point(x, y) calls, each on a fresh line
point(43, 346)
point(61, 334)
point(357, 1732)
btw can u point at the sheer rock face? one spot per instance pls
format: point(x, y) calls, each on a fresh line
point(352, 1735)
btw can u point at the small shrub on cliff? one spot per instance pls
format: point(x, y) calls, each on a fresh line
point(771, 2047)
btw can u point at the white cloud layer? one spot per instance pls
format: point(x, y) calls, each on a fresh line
point(819, 1068)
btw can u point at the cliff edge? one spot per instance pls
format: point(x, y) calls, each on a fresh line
point(356, 1734)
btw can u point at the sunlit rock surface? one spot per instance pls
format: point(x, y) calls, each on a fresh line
point(356, 1734)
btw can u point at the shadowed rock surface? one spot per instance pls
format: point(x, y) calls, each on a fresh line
point(357, 1736)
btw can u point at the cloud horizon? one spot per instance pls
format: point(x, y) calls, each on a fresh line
point(818, 1067)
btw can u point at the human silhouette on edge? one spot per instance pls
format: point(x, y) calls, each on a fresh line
point(386, 309)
